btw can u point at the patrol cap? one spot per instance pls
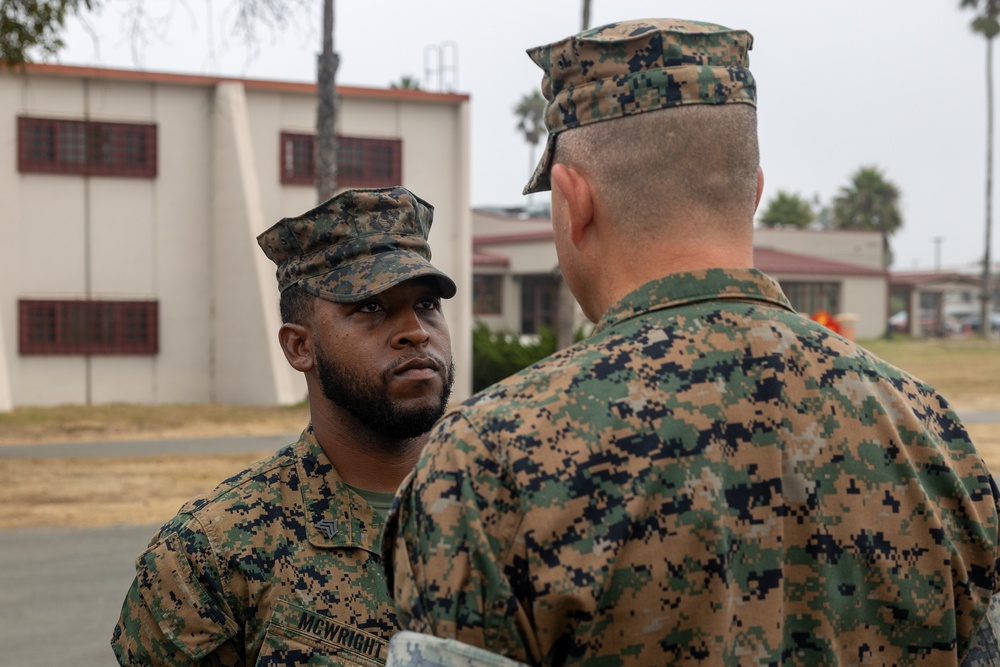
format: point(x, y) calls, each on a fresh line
point(355, 245)
point(630, 67)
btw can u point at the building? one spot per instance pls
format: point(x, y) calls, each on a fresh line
point(934, 303)
point(130, 271)
point(516, 279)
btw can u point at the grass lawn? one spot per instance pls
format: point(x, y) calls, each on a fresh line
point(964, 371)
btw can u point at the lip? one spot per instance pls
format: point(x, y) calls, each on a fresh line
point(420, 368)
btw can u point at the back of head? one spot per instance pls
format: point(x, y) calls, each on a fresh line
point(660, 114)
point(676, 166)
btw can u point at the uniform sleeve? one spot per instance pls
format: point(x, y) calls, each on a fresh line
point(458, 570)
point(174, 612)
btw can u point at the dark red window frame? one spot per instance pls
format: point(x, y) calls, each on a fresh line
point(362, 162)
point(487, 294)
point(86, 147)
point(88, 327)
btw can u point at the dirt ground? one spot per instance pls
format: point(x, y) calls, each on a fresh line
point(89, 492)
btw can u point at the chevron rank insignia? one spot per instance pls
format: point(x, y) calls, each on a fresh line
point(328, 527)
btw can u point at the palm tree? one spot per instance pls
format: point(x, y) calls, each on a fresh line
point(788, 210)
point(326, 110)
point(986, 24)
point(530, 112)
point(406, 82)
point(869, 202)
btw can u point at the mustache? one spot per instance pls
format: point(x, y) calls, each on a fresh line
point(438, 363)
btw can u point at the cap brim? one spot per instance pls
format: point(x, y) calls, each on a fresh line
point(374, 274)
point(539, 181)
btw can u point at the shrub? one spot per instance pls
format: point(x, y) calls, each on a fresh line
point(498, 354)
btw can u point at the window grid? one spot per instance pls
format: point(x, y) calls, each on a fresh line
point(486, 294)
point(90, 148)
point(361, 162)
point(539, 299)
point(88, 327)
point(809, 298)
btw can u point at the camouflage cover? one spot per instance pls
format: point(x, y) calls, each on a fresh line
point(708, 479)
point(279, 565)
point(635, 66)
point(411, 649)
point(355, 245)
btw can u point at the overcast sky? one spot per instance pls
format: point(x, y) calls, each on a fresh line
point(896, 84)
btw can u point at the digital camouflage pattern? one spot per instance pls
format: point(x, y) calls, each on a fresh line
point(412, 649)
point(630, 67)
point(355, 245)
point(279, 565)
point(985, 649)
point(708, 479)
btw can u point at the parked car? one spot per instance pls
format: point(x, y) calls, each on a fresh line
point(974, 322)
point(899, 323)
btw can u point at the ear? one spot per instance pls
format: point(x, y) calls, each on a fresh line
point(296, 343)
point(575, 190)
point(760, 188)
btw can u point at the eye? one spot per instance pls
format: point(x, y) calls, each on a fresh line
point(369, 307)
point(429, 303)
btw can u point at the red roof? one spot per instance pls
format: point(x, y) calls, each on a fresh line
point(517, 237)
point(924, 277)
point(773, 261)
point(489, 259)
point(260, 84)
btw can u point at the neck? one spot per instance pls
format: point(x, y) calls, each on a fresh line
point(625, 270)
point(363, 458)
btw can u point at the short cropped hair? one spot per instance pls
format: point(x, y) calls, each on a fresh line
point(296, 305)
point(670, 162)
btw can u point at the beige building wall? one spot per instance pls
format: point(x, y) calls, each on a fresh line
point(851, 247)
point(187, 237)
point(862, 297)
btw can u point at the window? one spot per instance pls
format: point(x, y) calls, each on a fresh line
point(486, 291)
point(90, 148)
point(361, 162)
point(808, 298)
point(88, 327)
point(539, 296)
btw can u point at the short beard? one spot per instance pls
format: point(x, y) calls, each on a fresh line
point(368, 401)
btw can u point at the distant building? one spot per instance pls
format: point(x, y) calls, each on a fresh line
point(129, 270)
point(515, 275)
point(933, 303)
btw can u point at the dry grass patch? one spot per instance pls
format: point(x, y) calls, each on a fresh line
point(56, 493)
point(88, 423)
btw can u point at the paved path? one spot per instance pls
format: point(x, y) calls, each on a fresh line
point(61, 589)
point(61, 592)
point(124, 448)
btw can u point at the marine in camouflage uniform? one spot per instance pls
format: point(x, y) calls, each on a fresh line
point(709, 478)
point(281, 564)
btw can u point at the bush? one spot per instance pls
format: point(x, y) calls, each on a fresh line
point(496, 355)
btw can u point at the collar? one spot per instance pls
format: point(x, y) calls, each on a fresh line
point(680, 289)
point(335, 516)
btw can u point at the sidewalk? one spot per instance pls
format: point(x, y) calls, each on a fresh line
point(125, 448)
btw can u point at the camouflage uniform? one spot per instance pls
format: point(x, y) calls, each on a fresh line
point(708, 479)
point(279, 565)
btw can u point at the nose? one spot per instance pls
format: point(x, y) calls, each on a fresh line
point(410, 330)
